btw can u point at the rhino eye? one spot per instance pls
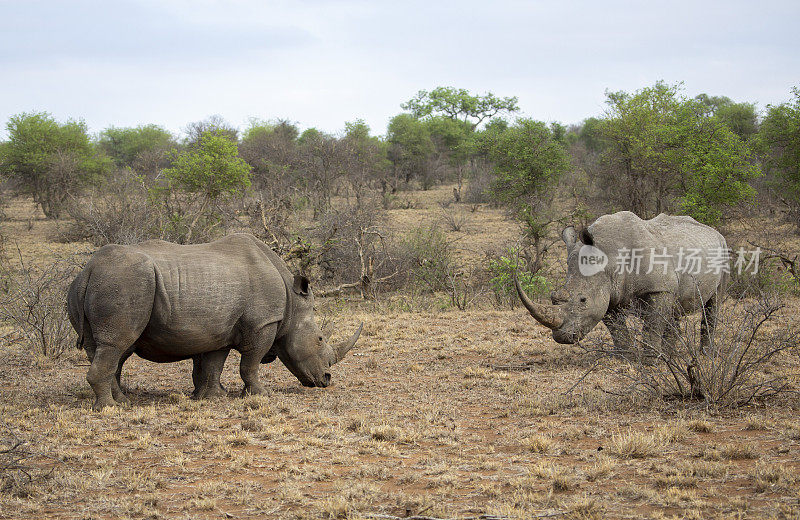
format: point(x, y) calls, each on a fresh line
point(320, 338)
point(583, 299)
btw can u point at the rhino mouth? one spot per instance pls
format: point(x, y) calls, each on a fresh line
point(323, 382)
point(565, 338)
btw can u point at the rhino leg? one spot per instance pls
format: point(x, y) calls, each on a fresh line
point(657, 319)
point(102, 375)
point(116, 388)
point(671, 336)
point(620, 334)
point(708, 325)
point(255, 346)
point(206, 373)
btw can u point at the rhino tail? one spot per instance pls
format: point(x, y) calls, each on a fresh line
point(75, 306)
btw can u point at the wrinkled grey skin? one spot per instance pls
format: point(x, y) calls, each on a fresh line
point(660, 297)
point(167, 302)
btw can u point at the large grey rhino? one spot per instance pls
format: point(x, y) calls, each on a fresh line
point(167, 302)
point(682, 267)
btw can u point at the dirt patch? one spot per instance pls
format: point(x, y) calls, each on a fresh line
point(441, 413)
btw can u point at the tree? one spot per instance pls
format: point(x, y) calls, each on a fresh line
point(50, 160)
point(779, 137)
point(143, 148)
point(529, 160)
point(322, 162)
point(459, 104)
point(270, 148)
point(410, 146)
point(663, 152)
point(211, 124)
point(207, 173)
point(739, 117)
point(366, 158)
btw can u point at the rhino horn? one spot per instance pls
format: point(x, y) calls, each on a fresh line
point(343, 348)
point(550, 316)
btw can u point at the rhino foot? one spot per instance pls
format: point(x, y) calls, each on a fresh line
point(122, 400)
point(99, 404)
point(253, 390)
point(210, 391)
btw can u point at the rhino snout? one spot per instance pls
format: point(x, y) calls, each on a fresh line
point(565, 338)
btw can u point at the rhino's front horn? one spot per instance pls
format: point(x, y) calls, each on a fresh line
point(550, 316)
point(345, 346)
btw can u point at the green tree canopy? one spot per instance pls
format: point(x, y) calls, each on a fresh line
point(665, 152)
point(459, 104)
point(410, 145)
point(212, 169)
point(779, 137)
point(528, 160)
point(271, 149)
point(739, 117)
point(141, 148)
point(50, 160)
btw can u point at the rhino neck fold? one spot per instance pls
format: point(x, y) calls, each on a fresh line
point(283, 325)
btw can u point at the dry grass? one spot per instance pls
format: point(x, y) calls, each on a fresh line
point(417, 422)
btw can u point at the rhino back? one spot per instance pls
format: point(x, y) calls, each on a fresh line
point(662, 240)
point(207, 293)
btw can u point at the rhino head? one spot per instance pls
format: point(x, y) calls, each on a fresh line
point(585, 297)
point(303, 348)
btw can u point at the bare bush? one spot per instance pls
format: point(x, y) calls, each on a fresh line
point(479, 187)
point(429, 256)
point(18, 475)
point(455, 218)
point(118, 213)
point(733, 369)
point(354, 250)
point(465, 285)
point(129, 209)
point(33, 302)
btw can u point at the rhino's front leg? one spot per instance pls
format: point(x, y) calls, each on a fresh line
point(658, 316)
point(620, 334)
point(255, 346)
point(206, 373)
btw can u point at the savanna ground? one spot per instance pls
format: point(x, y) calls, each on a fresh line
point(437, 412)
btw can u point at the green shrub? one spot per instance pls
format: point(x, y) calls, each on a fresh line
point(502, 271)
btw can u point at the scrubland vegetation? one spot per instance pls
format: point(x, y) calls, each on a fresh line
point(455, 404)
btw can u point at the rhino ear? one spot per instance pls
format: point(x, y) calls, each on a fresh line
point(586, 237)
point(569, 236)
point(300, 285)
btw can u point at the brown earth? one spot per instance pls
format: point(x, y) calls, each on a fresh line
point(438, 412)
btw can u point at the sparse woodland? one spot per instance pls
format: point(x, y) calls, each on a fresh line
point(456, 403)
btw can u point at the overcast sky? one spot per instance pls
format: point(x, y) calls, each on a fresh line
point(321, 63)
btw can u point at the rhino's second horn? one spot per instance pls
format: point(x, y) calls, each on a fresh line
point(345, 346)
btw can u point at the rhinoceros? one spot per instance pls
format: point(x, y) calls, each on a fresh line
point(665, 268)
point(167, 302)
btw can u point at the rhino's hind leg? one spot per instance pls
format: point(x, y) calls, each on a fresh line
point(206, 373)
point(253, 350)
point(102, 375)
point(116, 388)
point(708, 325)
